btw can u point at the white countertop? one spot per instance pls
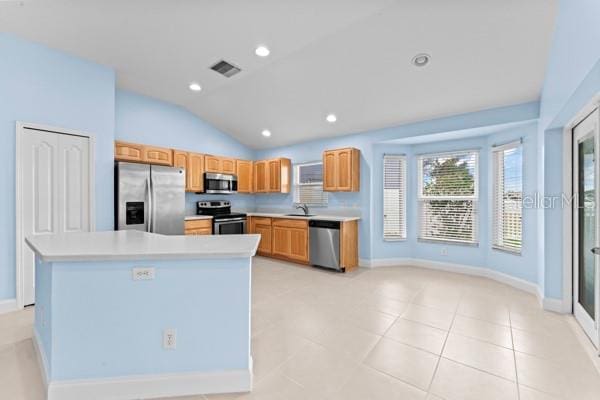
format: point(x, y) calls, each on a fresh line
point(137, 245)
point(316, 216)
point(196, 217)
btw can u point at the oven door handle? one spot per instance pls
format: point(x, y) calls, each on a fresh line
point(230, 220)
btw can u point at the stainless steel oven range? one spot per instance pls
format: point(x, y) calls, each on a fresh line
point(224, 221)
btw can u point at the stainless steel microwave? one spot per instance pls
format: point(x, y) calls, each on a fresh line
point(220, 183)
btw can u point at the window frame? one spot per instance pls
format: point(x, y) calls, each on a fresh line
point(474, 198)
point(496, 150)
point(297, 185)
point(403, 213)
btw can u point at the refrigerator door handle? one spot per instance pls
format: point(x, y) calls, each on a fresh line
point(150, 209)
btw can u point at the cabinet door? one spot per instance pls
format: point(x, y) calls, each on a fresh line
point(158, 155)
point(228, 165)
point(264, 246)
point(298, 244)
point(212, 164)
point(260, 176)
point(281, 241)
point(344, 169)
point(244, 176)
point(195, 172)
point(180, 160)
point(274, 176)
point(329, 170)
point(128, 152)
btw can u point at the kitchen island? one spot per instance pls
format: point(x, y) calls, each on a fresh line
point(132, 315)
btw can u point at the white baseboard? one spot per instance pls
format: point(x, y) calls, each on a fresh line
point(8, 305)
point(549, 304)
point(144, 386)
point(41, 357)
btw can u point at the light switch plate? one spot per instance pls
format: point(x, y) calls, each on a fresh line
point(142, 273)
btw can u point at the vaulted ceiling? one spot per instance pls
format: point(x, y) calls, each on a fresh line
point(347, 57)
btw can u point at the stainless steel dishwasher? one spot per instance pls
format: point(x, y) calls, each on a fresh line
point(325, 244)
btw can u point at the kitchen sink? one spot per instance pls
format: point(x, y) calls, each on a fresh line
point(299, 215)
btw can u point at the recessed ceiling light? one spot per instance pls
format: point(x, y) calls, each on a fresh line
point(331, 118)
point(194, 86)
point(262, 51)
point(421, 60)
point(266, 133)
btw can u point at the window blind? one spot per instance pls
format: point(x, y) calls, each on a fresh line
point(394, 197)
point(448, 196)
point(308, 184)
point(508, 197)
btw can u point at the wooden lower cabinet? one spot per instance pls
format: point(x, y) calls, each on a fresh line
point(198, 227)
point(288, 239)
point(262, 226)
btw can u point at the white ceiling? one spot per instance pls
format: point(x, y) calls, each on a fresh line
point(349, 57)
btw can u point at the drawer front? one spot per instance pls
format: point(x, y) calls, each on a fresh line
point(261, 221)
point(290, 223)
point(198, 224)
point(203, 231)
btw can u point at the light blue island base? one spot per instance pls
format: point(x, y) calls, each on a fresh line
point(100, 334)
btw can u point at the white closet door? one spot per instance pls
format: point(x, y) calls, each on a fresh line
point(40, 212)
point(73, 184)
point(55, 192)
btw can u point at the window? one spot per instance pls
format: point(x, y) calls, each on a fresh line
point(394, 197)
point(448, 195)
point(308, 188)
point(508, 196)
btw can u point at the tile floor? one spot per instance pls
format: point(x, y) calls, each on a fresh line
point(388, 333)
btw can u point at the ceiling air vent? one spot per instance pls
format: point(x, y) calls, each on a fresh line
point(226, 69)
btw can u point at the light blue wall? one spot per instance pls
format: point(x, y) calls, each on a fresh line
point(142, 119)
point(572, 78)
point(369, 199)
point(41, 85)
point(88, 334)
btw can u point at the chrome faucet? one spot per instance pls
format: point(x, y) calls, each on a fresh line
point(304, 208)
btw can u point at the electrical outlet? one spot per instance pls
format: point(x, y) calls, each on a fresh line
point(170, 339)
point(444, 251)
point(142, 273)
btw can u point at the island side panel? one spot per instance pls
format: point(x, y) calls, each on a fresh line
point(108, 325)
point(43, 314)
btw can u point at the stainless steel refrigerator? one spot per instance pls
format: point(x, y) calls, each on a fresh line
point(149, 198)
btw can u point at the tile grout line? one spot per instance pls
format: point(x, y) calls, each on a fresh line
point(512, 339)
point(435, 371)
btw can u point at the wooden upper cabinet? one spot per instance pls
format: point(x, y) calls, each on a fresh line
point(244, 175)
point(274, 182)
point(273, 176)
point(195, 174)
point(141, 153)
point(129, 152)
point(194, 169)
point(158, 155)
point(329, 170)
point(219, 165)
point(260, 176)
point(228, 165)
point(212, 164)
point(341, 170)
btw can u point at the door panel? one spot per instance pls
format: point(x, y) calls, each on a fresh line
point(260, 176)
point(244, 175)
point(274, 176)
point(585, 226)
point(344, 167)
point(168, 200)
point(281, 241)
point(195, 172)
point(299, 244)
point(329, 170)
point(73, 167)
